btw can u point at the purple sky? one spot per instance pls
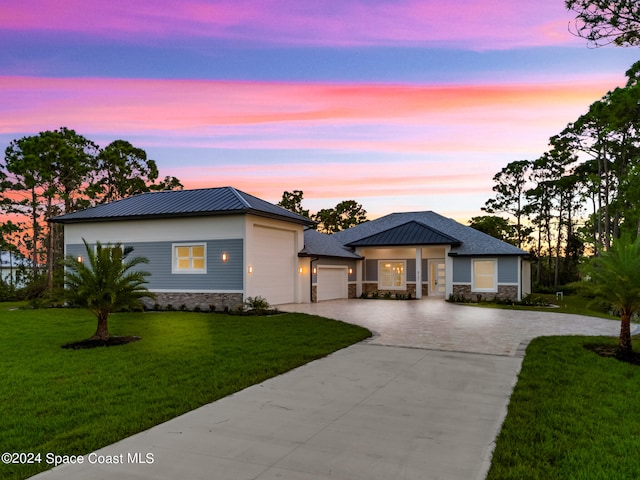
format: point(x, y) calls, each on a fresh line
point(400, 105)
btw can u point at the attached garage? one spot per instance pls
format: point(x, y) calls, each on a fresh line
point(274, 265)
point(332, 282)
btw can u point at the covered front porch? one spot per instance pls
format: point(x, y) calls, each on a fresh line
point(404, 272)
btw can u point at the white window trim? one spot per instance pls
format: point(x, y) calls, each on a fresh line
point(403, 286)
point(182, 271)
point(493, 289)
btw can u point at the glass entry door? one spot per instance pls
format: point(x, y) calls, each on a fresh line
point(437, 278)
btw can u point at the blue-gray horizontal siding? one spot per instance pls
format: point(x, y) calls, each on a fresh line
point(220, 275)
point(461, 270)
point(370, 270)
point(507, 269)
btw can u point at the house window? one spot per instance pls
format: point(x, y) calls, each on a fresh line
point(485, 275)
point(189, 258)
point(391, 275)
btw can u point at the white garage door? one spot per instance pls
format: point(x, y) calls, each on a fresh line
point(274, 266)
point(332, 283)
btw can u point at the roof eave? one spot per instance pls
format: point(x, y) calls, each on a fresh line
point(485, 254)
point(354, 256)
point(161, 216)
point(365, 245)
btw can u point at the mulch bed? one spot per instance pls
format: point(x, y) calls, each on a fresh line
point(610, 351)
point(93, 343)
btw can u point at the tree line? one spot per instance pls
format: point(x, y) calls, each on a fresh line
point(60, 171)
point(57, 172)
point(580, 194)
point(345, 214)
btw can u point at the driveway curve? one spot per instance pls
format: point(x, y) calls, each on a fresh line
point(367, 412)
point(439, 325)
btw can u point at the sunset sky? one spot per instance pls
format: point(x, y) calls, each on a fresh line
point(400, 105)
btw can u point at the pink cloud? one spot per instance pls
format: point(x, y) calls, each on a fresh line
point(180, 105)
point(432, 145)
point(477, 25)
point(380, 188)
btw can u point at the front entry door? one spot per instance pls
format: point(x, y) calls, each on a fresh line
point(437, 278)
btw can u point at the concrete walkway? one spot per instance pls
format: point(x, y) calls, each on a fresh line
point(376, 410)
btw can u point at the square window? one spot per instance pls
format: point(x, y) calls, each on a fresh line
point(485, 273)
point(189, 258)
point(391, 275)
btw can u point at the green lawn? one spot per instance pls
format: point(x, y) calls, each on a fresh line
point(574, 304)
point(75, 401)
point(572, 415)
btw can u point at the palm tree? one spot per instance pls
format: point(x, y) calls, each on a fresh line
point(615, 277)
point(108, 282)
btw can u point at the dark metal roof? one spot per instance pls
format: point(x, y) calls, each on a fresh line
point(323, 245)
point(410, 233)
point(182, 203)
point(472, 242)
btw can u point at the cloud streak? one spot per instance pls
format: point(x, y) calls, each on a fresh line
point(229, 110)
point(476, 25)
point(423, 143)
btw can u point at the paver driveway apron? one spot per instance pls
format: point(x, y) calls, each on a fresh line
point(440, 325)
point(375, 410)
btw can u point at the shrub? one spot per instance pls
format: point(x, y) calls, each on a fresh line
point(458, 298)
point(258, 304)
point(533, 301)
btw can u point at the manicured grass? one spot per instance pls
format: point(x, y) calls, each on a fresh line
point(573, 304)
point(71, 402)
point(572, 415)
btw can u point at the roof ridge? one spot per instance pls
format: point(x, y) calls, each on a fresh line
point(435, 230)
point(239, 196)
point(412, 223)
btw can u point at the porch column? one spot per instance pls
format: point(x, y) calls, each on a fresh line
point(418, 272)
point(448, 268)
point(359, 278)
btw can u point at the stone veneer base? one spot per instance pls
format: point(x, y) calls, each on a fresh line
point(505, 292)
point(203, 301)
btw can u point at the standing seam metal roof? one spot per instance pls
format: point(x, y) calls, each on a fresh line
point(472, 242)
point(410, 233)
point(172, 203)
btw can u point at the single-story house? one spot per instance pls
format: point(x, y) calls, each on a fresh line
point(418, 254)
point(219, 246)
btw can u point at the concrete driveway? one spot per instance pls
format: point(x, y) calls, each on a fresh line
point(375, 410)
point(439, 325)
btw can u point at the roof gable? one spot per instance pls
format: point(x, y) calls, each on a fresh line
point(472, 241)
point(185, 203)
point(410, 233)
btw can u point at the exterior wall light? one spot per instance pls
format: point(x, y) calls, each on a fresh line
point(79, 259)
point(300, 270)
point(250, 269)
point(350, 271)
point(225, 256)
point(315, 270)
